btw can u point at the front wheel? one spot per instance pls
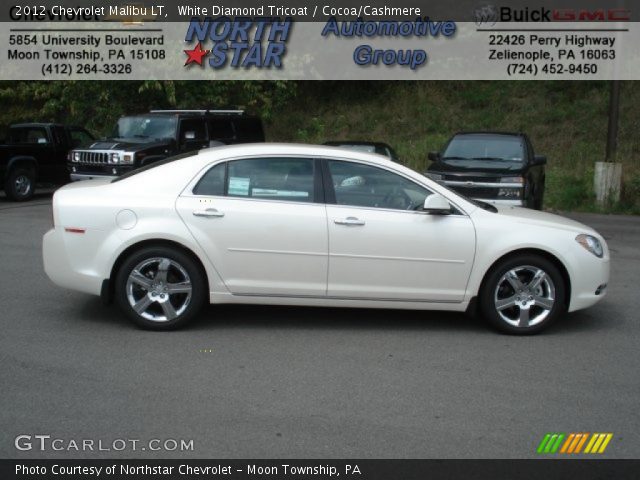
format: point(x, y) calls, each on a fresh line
point(160, 288)
point(20, 184)
point(523, 295)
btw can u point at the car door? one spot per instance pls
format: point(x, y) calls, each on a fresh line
point(262, 223)
point(381, 246)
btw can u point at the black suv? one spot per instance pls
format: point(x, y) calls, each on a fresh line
point(36, 154)
point(146, 138)
point(495, 167)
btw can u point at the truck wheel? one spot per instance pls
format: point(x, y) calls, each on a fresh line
point(160, 288)
point(20, 184)
point(523, 295)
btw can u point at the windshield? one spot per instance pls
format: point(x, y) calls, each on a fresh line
point(146, 127)
point(485, 147)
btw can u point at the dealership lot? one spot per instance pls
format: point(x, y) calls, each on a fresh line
point(260, 382)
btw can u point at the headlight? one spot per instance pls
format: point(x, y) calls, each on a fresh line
point(76, 157)
point(519, 180)
point(591, 244)
point(127, 158)
point(434, 176)
point(114, 158)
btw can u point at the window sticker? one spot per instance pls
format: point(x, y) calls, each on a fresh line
point(239, 186)
point(268, 192)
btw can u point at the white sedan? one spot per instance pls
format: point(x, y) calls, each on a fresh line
point(314, 225)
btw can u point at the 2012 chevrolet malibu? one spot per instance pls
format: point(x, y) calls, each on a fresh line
point(314, 225)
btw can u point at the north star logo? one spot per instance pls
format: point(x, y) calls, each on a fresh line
point(196, 55)
point(242, 42)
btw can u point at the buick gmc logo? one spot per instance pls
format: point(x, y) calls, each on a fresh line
point(486, 15)
point(489, 15)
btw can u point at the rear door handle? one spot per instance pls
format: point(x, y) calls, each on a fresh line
point(209, 212)
point(350, 221)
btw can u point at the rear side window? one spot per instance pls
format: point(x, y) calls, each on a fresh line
point(289, 179)
point(220, 129)
point(212, 183)
point(28, 135)
point(249, 130)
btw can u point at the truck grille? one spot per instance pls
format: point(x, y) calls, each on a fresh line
point(94, 158)
point(470, 178)
point(477, 192)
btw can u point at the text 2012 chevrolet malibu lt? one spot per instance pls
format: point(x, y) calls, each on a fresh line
point(314, 225)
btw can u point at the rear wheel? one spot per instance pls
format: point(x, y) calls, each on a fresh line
point(20, 184)
point(523, 295)
point(160, 288)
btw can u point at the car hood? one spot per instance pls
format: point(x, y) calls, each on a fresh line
point(468, 166)
point(129, 145)
point(535, 217)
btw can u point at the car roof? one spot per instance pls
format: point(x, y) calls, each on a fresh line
point(490, 132)
point(35, 124)
point(255, 149)
point(357, 142)
point(191, 114)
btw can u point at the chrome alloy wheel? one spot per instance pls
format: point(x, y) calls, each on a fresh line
point(22, 185)
point(159, 289)
point(524, 296)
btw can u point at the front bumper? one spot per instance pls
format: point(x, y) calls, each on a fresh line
point(89, 176)
point(589, 281)
point(512, 203)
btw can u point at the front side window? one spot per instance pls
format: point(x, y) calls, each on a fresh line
point(366, 186)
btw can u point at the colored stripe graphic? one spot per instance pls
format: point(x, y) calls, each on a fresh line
point(551, 442)
point(598, 443)
point(572, 443)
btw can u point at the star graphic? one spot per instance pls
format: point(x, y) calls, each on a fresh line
point(196, 55)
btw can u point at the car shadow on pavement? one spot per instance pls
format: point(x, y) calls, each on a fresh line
point(268, 316)
point(283, 317)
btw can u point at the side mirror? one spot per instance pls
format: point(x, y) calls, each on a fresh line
point(436, 204)
point(433, 156)
point(539, 160)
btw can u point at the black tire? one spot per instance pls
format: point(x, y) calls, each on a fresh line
point(543, 304)
point(155, 296)
point(540, 197)
point(20, 184)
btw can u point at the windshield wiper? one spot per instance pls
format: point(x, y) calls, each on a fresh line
point(501, 159)
point(455, 158)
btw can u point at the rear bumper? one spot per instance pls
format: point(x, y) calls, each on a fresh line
point(59, 266)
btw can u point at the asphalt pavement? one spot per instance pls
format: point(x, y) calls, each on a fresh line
point(276, 382)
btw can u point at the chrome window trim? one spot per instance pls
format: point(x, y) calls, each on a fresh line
point(188, 190)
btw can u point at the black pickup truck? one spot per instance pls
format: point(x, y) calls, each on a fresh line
point(36, 153)
point(146, 138)
point(494, 167)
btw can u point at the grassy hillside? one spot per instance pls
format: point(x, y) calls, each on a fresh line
point(567, 121)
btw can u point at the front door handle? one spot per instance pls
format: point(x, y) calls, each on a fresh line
point(209, 212)
point(350, 221)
